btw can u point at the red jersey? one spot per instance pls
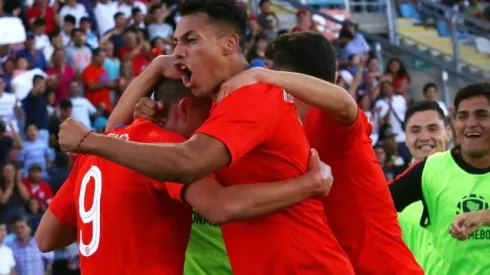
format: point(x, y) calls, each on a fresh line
point(260, 127)
point(93, 74)
point(42, 191)
point(126, 222)
point(359, 208)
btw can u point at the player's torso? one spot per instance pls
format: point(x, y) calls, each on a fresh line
point(293, 238)
point(451, 193)
point(360, 190)
point(419, 240)
point(125, 224)
point(206, 252)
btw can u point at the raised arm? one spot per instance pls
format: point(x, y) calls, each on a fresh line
point(140, 87)
point(239, 202)
point(313, 91)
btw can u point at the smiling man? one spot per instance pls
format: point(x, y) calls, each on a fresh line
point(455, 182)
point(253, 136)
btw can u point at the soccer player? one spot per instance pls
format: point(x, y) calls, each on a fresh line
point(151, 235)
point(359, 209)
point(455, 182)
point(253, 136)
point(426, 133)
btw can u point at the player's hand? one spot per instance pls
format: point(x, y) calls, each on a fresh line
point(466, 223)
point(320, 175)
point(244, 78)
point(149, 109)
point(70, 135)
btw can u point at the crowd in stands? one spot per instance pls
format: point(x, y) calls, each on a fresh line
point(78, 59)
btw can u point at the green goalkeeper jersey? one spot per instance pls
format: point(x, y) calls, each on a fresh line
point(206, 252)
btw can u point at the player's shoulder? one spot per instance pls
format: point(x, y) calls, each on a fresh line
point(148, 131)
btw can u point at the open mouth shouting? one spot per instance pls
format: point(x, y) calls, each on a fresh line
point(185, 73)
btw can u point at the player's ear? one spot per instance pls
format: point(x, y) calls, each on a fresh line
point(184, 106)
point(230, 43)
point(336, 77)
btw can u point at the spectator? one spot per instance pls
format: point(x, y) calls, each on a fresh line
point(97, 83)
point(28, 258)
point(51, 102)
point(8, 72)
point(82, 108)
point(272, 27)
point(60, 172)
point(304, 22)
point(127, 76)
point(10, 109)
point(40, 37)
point(259, 48)
point(7, 185)
point(8, 142)
point(74, 9)
point(116, 35)
point(430, 91)
point(34, 57)
point(14, 205)
point(78, 55)
point(158, 28)
point(265, 11)
point(160, 46)
point(394, 161)
point(65, 111)
point(36, 187)
point(35, 151)
point(68, 27)
point(358, 42)
point(112, 64)
point(127, 6)
point(7, 261)
point(86, 27)
point(56, 42)
point(36, 107)
point(138, 19)
point(381, 157)
point(399, 76)
point(136, 51)
point(60, 75)
point(66, 261)
point(104, 12)
point(41, 9)
point(365, 104)
point(33, 208)
point(21, 66)
point(341, 43)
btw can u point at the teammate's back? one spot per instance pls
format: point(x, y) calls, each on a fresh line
point(127, 223)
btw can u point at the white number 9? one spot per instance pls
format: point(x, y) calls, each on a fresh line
point(93, 214)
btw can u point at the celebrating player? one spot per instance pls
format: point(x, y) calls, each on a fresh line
point(340, 131)
point(455, 182)
point(159, 226)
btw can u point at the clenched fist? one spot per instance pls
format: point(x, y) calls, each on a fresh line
point(320, 175)
point(70, 135)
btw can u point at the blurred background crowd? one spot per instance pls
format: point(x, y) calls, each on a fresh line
point(80, 55)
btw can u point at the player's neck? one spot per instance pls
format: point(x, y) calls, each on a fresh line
point(236, 65)
point(482, 162)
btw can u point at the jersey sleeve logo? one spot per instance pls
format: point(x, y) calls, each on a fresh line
point(119, 136)
point(288, 97)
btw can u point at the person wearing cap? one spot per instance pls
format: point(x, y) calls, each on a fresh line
point(36, 187)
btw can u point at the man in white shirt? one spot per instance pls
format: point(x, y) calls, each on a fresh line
point(73, 8)
point(82, 109)
point(7, 260)
point(394, 106)
point(104, 12)
point(10, 108)
point(127, 7)
point(41, 40)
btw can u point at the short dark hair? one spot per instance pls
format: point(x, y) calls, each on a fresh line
point(18, 218)
point(428, 86)
point(62, 160)
point(66, 104)
point(96, 52)
point(230, 12)
point(38, 22)
point(422, 106)
point(262, 2)
point(305, 52)
point(70, 19)
point(74, 31)
point(27, 126)
point(472, 90)
point(36, 78)
point(154, 8)
point(134, 11)
point(171, 91)
point(54, 33)
point(85, 19)
point(118, 14)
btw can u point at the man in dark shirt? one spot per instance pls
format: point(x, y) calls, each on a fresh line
point(54, 124)
point(6, 144)
point(61, 172)
point(35, 107)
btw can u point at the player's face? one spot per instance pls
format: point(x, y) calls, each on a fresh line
point(200, 55)
point(472, 126)
point(188, 116)
point(426, 134)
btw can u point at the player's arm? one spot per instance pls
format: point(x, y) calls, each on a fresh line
point(407, 187)
point(311, 90)
point(140, 87)
point(244, 201)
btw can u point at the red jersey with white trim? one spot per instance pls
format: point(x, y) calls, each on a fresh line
point(359, 208)
point(260, 127)
point(126, 222)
